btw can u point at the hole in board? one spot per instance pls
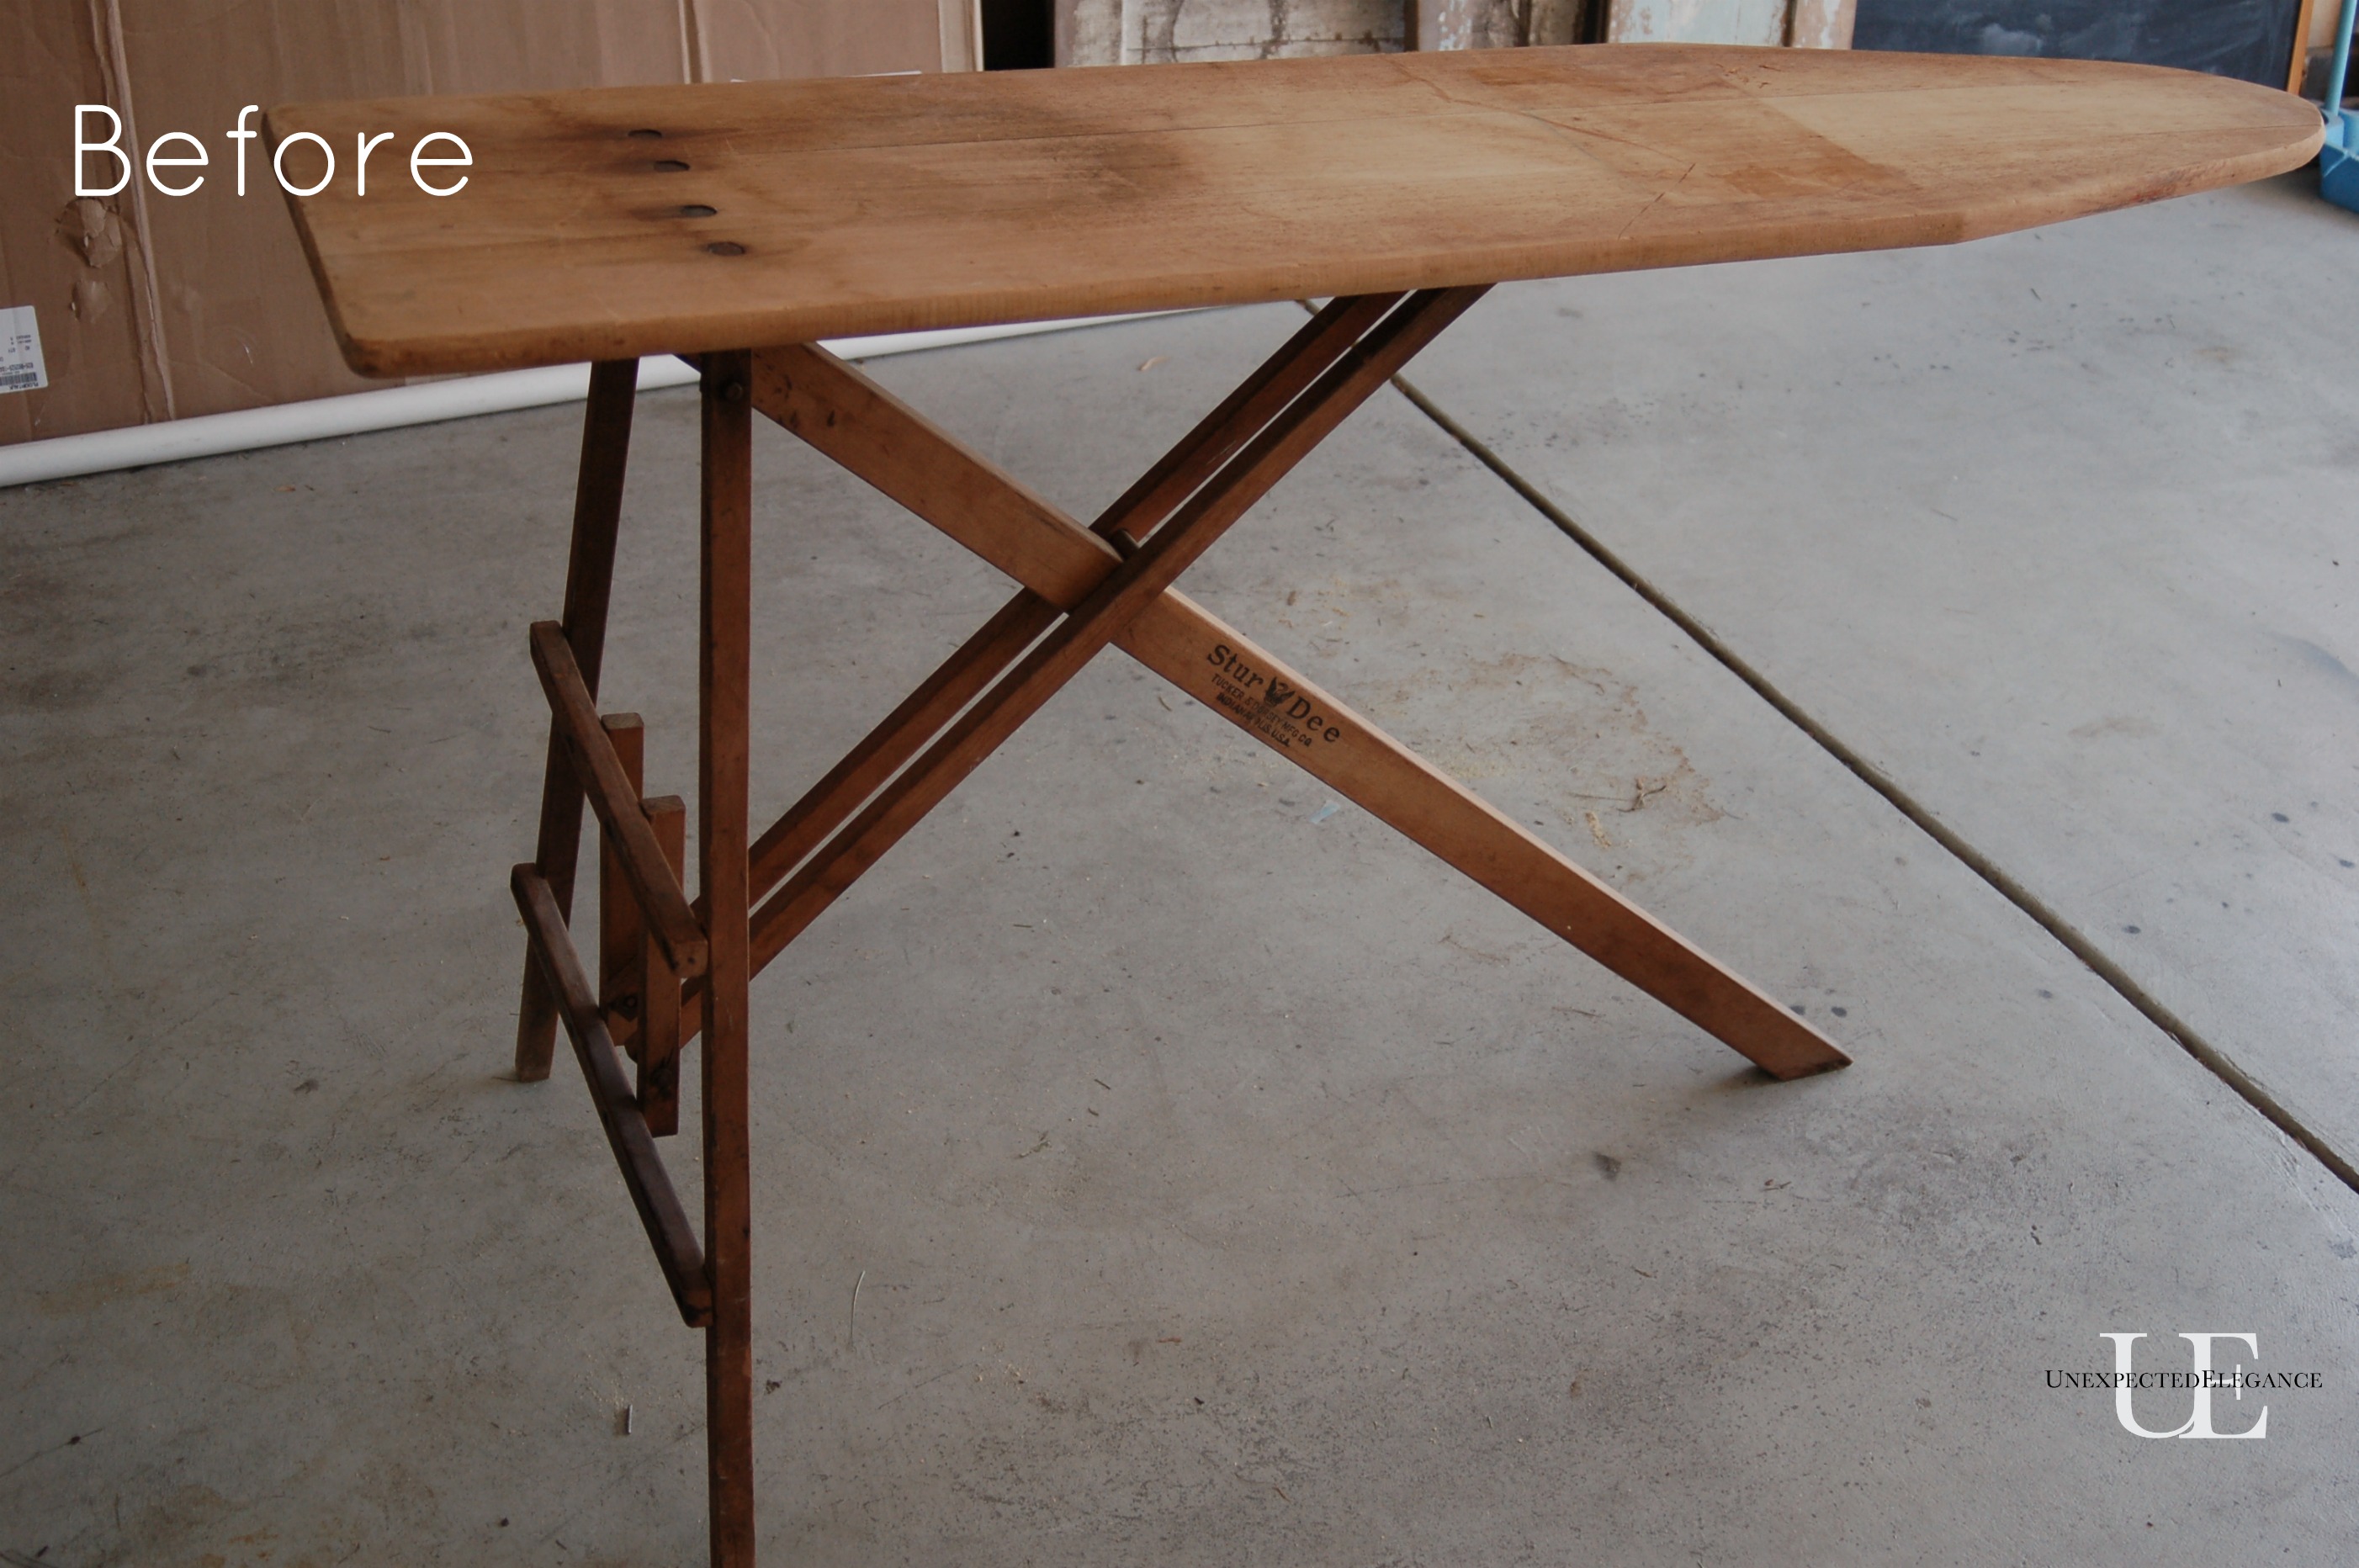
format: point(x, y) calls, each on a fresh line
point(671, 166)
point(696, 210)
point(725, 248)
point(643, 136)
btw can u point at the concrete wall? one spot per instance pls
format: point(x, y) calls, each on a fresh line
point(1724, 21)
point(1134, 32)
point(1131, 32)
point(1501, 24)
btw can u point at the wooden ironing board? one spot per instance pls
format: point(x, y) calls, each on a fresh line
point(738, 224)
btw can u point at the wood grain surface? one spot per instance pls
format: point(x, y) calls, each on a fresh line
point(883, 205)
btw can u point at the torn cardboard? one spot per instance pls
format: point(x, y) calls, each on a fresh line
point(151, 307)
point(73, 267)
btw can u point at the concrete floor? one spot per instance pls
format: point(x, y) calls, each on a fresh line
point(1152, 1166)
point(2058, 530)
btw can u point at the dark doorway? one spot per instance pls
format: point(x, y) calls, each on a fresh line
point(1018, 35)
point(2247, 38)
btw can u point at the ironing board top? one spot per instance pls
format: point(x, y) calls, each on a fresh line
point(616, 221)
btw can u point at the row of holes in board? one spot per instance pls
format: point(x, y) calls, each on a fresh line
point(694, 208)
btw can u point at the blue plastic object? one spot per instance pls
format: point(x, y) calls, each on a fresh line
point(2338, 160)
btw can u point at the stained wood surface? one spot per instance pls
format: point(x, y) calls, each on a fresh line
point(883, 205)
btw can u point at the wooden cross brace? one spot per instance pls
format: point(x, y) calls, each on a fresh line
point(670, 969)
point(843, 413)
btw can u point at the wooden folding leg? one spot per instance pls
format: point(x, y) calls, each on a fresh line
point(848, 417)
point(800, 390)
point(1250, 688)
point(723, 670)
point(1289, 428)
point(1084, 588)
point(650, 936)
point(995, 649)
point(1120, 595)
point(589, 578)
point(551, 946)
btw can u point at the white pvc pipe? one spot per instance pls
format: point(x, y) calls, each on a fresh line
point(209, 435)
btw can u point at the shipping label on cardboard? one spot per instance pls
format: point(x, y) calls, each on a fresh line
point(21, 369)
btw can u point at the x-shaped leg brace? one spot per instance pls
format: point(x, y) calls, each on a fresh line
point(1067, 568)
point(669, 969)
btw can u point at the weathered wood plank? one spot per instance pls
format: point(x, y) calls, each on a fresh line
point(788, 212)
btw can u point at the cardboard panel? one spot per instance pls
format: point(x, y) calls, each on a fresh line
point(232, 321)
point(467, 46)
point(754, 41)
point(242, 324)
point(78, 264)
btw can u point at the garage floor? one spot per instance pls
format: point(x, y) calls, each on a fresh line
point(1155, 1164)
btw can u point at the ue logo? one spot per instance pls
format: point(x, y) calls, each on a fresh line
point(2203, 1380)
